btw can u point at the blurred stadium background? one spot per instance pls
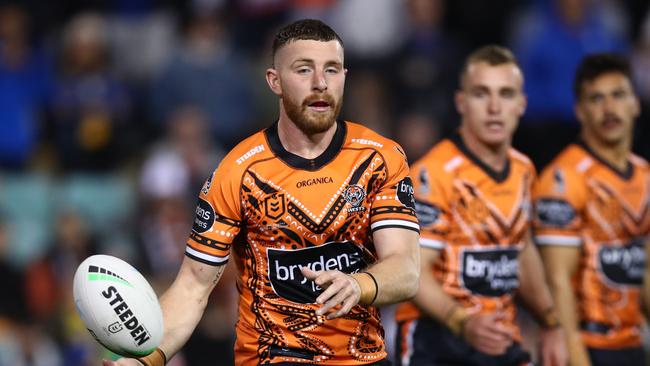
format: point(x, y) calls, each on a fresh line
point(112, 114)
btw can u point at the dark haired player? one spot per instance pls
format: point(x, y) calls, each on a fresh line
point(318, 216)
point(593, 221)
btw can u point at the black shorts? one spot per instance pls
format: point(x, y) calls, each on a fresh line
point(614, 357)
point(425, 342)
point(380, 363)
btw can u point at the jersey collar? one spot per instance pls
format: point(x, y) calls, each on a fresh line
point(625, 174)
point(299, 162)
point(497, 176)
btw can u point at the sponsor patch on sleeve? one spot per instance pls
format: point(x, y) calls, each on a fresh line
point(427, 213)
point(554, 212)
point(204, 218)
point(405, 193)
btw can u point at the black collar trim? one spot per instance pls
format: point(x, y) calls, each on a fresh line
point(299, 162)
point(625, 174)
point(498, 177)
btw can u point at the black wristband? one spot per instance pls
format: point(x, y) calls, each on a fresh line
point(376, 286)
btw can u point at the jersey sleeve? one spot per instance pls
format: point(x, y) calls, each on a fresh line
point(394, 205)
point(218, 218)
point(559, 199)
point(432, 207)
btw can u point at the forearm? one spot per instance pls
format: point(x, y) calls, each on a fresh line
point(398, 269)
point(183, 305)
point(532, 285)
point(567, 312)
point(397, 279)
point(646, 283)
point(432, 299)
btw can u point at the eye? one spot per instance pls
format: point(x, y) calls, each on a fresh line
point(596, 98)
point(332, 70)
point(508, 93)
point(479, 93)
point(303, 70)
point(619, 94)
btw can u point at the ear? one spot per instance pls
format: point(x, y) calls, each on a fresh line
point(459, 100)
point(524, 104)
point(580, 114)
point(273, 79)
point(637, 106)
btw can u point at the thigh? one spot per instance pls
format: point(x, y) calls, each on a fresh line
point(425, 342)
point(614, 357)
point(380, 363)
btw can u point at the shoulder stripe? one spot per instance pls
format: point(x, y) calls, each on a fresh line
point(584, 164)
point(453, 163)
point(206, 258)
point(637, 160)
point(430, 243)
point(567, 241)
point(520, 156)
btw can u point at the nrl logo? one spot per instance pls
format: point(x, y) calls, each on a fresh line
point(354, 195)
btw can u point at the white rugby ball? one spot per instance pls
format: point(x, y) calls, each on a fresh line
point(118, 306)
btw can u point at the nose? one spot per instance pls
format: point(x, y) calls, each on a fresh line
point(494, 105)
point(319, 83)
point(608, 104)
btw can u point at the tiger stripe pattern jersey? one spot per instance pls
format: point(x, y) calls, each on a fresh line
point(274, 212)
point(478, 219)
point(582, 201)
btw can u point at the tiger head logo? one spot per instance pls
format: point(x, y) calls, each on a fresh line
point(354, 195)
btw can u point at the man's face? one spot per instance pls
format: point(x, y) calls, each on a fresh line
point(490, 102)
point(309, 78)
point(607, 108)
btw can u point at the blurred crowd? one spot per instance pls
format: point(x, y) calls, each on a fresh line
point(113, 113)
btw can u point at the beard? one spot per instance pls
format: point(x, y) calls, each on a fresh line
point(308, 122)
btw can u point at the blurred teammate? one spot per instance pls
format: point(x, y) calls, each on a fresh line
point(318, 216)
point(473, 199)
point(593, 220)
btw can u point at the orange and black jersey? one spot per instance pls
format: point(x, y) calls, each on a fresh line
point(275, 212)
point(478, 219)
point(583, 201)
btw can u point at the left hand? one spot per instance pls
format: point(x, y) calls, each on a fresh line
point(553, 347)
point(340, 290)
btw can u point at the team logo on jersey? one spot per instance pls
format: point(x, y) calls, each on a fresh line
point(425, 187)
point(207, 184)
point(287, 279)
point(405, 192)
point(354, 195)
point(558, 181)
point(274, 206)
point(623, 264)
point(427, 213)
point(554, 212)
point(490, 272)
point(204, 217)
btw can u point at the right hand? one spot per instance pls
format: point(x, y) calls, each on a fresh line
point(578, 355)
point(341, 291)
point(487, 333)
point(122, 362)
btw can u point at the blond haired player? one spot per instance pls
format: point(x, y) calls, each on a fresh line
point(473, 197)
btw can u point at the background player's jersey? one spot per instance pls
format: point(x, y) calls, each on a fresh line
point(274, 212)
point(478, 219)
point(582, 201)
